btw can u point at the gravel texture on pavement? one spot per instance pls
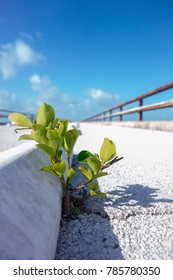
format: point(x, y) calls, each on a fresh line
point(136, 221)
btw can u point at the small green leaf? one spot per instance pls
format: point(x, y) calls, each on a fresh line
point(70, 139)
point(84, 155)
point(96, 155)
point(92, 193)
point(60, 167)
point(39, 134)
point(108, 150)
point(56, 144)
point(65, 127)
point(25, 137)
point(94, 163)
point(53, 134)
point(54, 139)
point(45, 114)
point(56, 123)
point(94, 186)
point(59, 128)
point(100, 174)
point(19, 120)
point(71, 173)
point(48, 168)
point(50, 126)
point(86, 172)
point(101, 194)
point(48, 150)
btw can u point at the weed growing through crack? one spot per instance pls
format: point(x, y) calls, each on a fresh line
point(53, 137)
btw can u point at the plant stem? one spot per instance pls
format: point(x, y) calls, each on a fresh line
point(69, 163)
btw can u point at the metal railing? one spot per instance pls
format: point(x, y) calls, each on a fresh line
point(5, 113)
point(108, 114)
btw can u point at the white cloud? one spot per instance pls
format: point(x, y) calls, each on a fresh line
point(44, 87)
point(47, 92)
point(101, 99)
point(98, 100)
point(14, 56)
point(35, 79)
point(25, 55)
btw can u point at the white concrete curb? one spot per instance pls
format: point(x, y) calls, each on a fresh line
point(30, 205)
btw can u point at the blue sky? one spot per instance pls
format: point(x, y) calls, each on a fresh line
point(84, 56)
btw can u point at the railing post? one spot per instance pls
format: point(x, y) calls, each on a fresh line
point(121, 116)
point(104, 118)
point(110, 118)
point(140, 113)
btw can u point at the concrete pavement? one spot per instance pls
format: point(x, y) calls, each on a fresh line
point(136, 222)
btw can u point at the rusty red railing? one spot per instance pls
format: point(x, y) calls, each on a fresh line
point(5, 113)
point(108, 114)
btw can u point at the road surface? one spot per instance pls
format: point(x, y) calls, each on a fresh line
point(136, 221)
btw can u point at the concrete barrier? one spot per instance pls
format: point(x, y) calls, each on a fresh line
point(30, 205)
point(8, 137)
point(152, 125)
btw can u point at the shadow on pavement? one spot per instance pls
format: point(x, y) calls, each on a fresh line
point(136, 195)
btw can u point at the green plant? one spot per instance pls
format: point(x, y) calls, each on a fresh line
point(52, 136)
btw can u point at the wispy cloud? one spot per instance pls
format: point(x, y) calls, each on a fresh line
point(26, 36)
point(98, 100)
point(43, 90)
point(65, 106)
point(35, 36)
point(16, 55)
point(47, 92)
point(101, 98)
